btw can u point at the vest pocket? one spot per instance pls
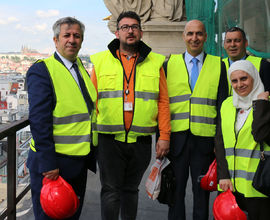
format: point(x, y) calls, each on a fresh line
point(150, 82)
point(107, 82)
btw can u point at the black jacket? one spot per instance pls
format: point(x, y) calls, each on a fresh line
point(143, 49)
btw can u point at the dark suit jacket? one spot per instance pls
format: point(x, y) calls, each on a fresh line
point(42, 101)
point(179, 141)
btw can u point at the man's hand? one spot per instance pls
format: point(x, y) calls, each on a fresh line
point(162, 148)
point(264, 95)
point(52, 174)
point(225, 184)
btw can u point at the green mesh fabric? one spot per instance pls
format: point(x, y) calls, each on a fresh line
point(203, 10)
point(219, 15)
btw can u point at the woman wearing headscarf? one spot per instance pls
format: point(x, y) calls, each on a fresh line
point(244, 124)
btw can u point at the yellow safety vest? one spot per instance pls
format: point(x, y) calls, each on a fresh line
point(256, 61)
point(242, 151)
point(110, 118)
point(71, 119)
point(193, 110)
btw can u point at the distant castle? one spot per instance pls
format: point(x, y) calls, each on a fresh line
point(26, 50)
point(31, 52)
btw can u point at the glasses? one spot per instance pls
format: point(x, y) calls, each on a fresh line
point(125, 27)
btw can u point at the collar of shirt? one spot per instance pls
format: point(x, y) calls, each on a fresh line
point(128, 57)
point(243, 58)
point(189, 64)
point(68, 65)
point(66, 62)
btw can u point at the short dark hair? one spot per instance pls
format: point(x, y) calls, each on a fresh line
point(234, 29)
point(128, 14)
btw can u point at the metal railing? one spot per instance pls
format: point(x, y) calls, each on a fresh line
point(10, 132)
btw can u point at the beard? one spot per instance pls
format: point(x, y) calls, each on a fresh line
point(130, 46)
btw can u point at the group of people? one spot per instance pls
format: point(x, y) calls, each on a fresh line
point(132, 92)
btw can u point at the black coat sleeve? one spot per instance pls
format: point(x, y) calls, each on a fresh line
point(41, 104)
point(265, 74)
point(261, 121)
point(223, 93)
point(222, 165)
point(223, 90)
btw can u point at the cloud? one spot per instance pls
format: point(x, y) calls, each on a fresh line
point(47, 14)
point(20, 27)
point(12, 19)
point(24, 28)
point(32, 29)
point(9, 20)
point(41, 27)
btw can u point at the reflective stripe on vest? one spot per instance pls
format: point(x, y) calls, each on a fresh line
point(242, 174)
point(110, 94)
point(71, 119)
point(116, 94)
point(196, 111)
point(242, 151)
point(256, 61)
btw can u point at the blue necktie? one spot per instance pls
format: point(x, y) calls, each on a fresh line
point(194, 73)
point(85, 93)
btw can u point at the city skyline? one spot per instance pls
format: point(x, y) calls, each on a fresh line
point(28, 23)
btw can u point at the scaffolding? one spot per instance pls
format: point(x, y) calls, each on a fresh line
point(219, 15)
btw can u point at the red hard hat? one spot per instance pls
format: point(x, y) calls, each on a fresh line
point(58, 199)
point(209, 181)
point(226, 208)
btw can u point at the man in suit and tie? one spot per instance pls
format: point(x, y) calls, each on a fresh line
point(197, 85)
point(61, 100)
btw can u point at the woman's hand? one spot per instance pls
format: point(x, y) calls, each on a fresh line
point(264, 95)
point(225, 184)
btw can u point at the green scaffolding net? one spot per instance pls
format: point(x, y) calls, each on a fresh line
point(219, 15)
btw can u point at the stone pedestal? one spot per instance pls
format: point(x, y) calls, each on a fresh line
point(164, 37)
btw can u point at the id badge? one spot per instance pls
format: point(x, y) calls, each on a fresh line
point(128, 106)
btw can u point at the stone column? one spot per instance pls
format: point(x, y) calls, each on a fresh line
point(164, 37)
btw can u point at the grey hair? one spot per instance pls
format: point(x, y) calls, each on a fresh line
point(69, 21)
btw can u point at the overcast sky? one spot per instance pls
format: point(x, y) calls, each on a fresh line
point(29, 23)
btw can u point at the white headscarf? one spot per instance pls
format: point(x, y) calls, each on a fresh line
point(245, 102)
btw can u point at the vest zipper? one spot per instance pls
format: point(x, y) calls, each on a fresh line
point(126, 132)
point(190, 94)
point(234, 150)
point(126, 137)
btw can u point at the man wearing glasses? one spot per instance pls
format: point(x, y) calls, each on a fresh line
point(132, 102)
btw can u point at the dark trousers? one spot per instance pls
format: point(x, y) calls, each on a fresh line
point(257, 208)
point(77, 181)
point(122, 166)
point(195, 159)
